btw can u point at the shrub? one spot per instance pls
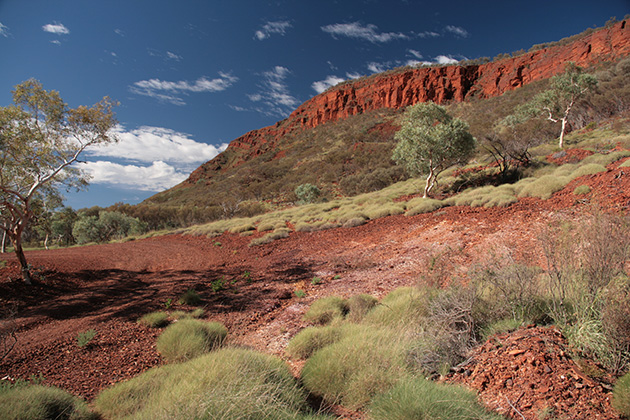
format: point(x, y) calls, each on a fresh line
point(581, 190)
point(230, 384)
point(359, 306)
point(544, 187)
point(270, 237)
point(190, 297)
point(307, 193)
point(621, 395)
point(354, 222)
point(154, 319)
point(351, 371)
point(311, 339)
point(422, 205)
point(189, 338)
point(401, 306)
point(418, 398)
point(324, 310)
point(37, 402)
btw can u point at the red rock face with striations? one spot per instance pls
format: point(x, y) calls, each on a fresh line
point(437, 84)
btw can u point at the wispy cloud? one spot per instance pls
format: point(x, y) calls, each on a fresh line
point(4, 30)
point(120, 32)
point(457, 31)
point(172, 91)
point(56, 28)
point(274, 93)
point(321, 85)
point(173, 56)
point(367, 32)
point(148, 159)
point(272, 28)
point(445, 59)
point(428, 34)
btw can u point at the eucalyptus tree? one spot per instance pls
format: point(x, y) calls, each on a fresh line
point(556, 103)
point(40, 140)
point(430, 140)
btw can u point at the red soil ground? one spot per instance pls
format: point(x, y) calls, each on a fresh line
point(108, 287)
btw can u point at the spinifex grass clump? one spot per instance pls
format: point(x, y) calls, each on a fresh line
point(418, 398)
point(37, 402)
point(309, 340)
point(229, 384)
point(324, 310)
point(156, 319)
point(621, 395)
point(190, 338)
point(190, 297)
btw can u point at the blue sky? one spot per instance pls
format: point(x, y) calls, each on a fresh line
point(193, 75)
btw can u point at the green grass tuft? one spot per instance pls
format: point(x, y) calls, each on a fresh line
point(190, 297)
point(325, 310)
point(156, 319)
point(190, 338)
point(621, 395)
point(582, 190)
point(37, 402)
point(311, 339)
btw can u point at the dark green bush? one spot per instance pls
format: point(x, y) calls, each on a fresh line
point(190, 338)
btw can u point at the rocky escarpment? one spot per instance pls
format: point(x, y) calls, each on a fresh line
point(437, 84)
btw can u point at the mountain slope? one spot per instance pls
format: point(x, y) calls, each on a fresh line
point(389, 91)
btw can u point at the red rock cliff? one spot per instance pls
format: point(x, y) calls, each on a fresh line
point(437, 84)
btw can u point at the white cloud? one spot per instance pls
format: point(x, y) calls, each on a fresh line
point(56, 28)
point(322, 85)
point(148, 158)
point(120, 32)
point(271, 28)
point(274, 93)
point(156, 88)
point(157, 177)
point(173, 56)
point(379, 67)
point(427, 34)
point(443, 59)
point(149, 144)
point(457, 31)
point(4, 30)
point(365, 32)
point(415, 53)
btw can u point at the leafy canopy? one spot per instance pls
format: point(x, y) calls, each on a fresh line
point(430, 140)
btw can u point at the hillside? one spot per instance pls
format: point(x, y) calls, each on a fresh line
point(377, 97)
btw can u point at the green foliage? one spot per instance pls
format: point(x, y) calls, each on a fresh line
point(106, 227)
point(430, 140)
point(37, 402)
point(307, 193)
point(621, 395)
point(300, 293)
point(190, 297)
point(84, 338)
point(556, 103)
point(41, 140)
point(230, 384)
point(316, 280)
point(359, 306)
point(311, 339)
point(156, 319)
point(405, 305)
point(421, 399)
point(582, 190)
point(325, 310)
point(217, 284)
point(362, 364)
point(190, 338)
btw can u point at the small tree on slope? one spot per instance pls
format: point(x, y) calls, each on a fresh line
point(40, 138)
point(556, 103)
point(430, 140)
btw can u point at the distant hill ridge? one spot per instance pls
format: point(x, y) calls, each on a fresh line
point(398, 89)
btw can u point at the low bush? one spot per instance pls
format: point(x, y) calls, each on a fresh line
point(418, 398)
point(582, 190)
point(311, 339)
point(325, 310)
point(270, 237)
point(351, 371)
point(37, 402)
point(156, 319)
point(190, 297)
point(190, 338)
point(358, 221)
point(230, 384)
point(359, 306)
point(422, 205)
point(621, 395)
point(544, 187)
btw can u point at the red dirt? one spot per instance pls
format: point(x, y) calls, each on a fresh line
point(108, 287)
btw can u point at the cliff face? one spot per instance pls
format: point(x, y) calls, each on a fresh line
point(438, 84)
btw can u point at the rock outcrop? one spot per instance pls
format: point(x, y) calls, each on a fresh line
point(398, 89)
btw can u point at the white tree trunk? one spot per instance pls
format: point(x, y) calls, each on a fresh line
point(3, 248)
